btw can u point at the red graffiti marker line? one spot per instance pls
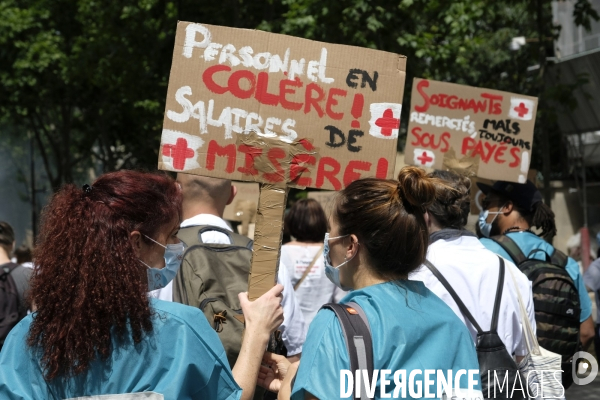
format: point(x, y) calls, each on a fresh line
point(424, 158)
point(179, 152)
point(387, 123)
point(357, 109)
point(521, 110)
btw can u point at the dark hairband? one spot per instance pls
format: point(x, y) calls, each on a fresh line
point(86, 188)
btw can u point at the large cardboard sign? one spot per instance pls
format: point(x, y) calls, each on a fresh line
point(481, 132)
point(255, 106)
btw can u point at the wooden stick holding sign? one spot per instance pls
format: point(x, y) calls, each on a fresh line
point(284, 112)
point(267, 239)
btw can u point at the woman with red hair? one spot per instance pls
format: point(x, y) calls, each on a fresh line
point(96, 332)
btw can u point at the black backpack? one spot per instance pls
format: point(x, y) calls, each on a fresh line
point(9, 301)
point(494, 359)
point(555, 301)
point(357, 334)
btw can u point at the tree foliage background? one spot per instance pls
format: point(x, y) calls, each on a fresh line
point(87, 79)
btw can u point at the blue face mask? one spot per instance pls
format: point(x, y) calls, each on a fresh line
point(333, 273)
point(486, 227)
point(159, 278)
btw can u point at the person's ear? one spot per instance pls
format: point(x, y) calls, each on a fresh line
point(352, 247)
point(232, 194)
point(508, 208)
point(135, 238)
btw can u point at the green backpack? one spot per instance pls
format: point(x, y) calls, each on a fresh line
point(210, 278)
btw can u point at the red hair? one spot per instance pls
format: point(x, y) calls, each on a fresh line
point(88, 283)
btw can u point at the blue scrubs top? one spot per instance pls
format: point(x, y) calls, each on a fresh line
point(527, 242)
point(182, 358)
point(412, 329)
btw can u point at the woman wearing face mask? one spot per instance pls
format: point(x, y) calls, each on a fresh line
point(96, 332)
point(378, 235)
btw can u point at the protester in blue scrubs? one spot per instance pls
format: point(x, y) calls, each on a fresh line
point(512, 209)
point(378, 235)
point(96, 332)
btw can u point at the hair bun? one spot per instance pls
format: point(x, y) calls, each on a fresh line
point(415, 187)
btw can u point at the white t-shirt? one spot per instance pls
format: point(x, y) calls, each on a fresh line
point(473, 273)
point(293, 329)
point(316, 289)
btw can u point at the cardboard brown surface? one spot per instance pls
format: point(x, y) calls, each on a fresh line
point(282, 111)
point(267, 239)
point(341, 103)
point(245, 199)
point(478, 132)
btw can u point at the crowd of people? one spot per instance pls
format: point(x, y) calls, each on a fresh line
point(139, 289)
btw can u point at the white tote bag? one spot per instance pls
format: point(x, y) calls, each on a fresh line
point(540, 369)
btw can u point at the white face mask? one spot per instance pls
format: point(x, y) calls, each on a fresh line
point(486, 227)
point(159, 278)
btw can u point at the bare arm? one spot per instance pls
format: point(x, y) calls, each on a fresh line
point(262, 317)
point(587, 332)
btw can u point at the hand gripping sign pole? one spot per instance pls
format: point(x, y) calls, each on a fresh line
point(284, 112)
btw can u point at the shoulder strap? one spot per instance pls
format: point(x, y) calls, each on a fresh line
point(8, 268)
point(494, 327)
point(189, 235)
point(193, 235)
point(559, 258)
point(511, 247)
point(307, 270)
point(461, 306)
point(357, 333)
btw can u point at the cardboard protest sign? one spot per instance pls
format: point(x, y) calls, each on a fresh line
point(281, 111)
point(482, 132)
point(255, 106)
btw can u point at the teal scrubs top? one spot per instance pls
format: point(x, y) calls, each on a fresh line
point(528, 242)
point(182, 358)
point(411, 329)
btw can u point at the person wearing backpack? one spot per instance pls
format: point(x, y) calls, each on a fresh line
point(378, 236)
point(96, 333)
point(14, 283)
point(562, 305)
point(473, 274)
point(216, 265)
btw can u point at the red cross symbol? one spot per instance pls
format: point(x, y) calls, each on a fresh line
point(424, 158)
point(521, 110)
point(179, 151)
point(387, 123)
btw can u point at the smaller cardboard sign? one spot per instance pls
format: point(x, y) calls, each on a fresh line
point(244, 203)
point(477, 132)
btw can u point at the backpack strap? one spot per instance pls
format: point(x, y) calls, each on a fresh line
point(494, 327)
point(511, 247)
point(461, 306)
point(357, 332)
point(309, 268)
point(192, 235)
point(559, 258)
point(6, 269)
